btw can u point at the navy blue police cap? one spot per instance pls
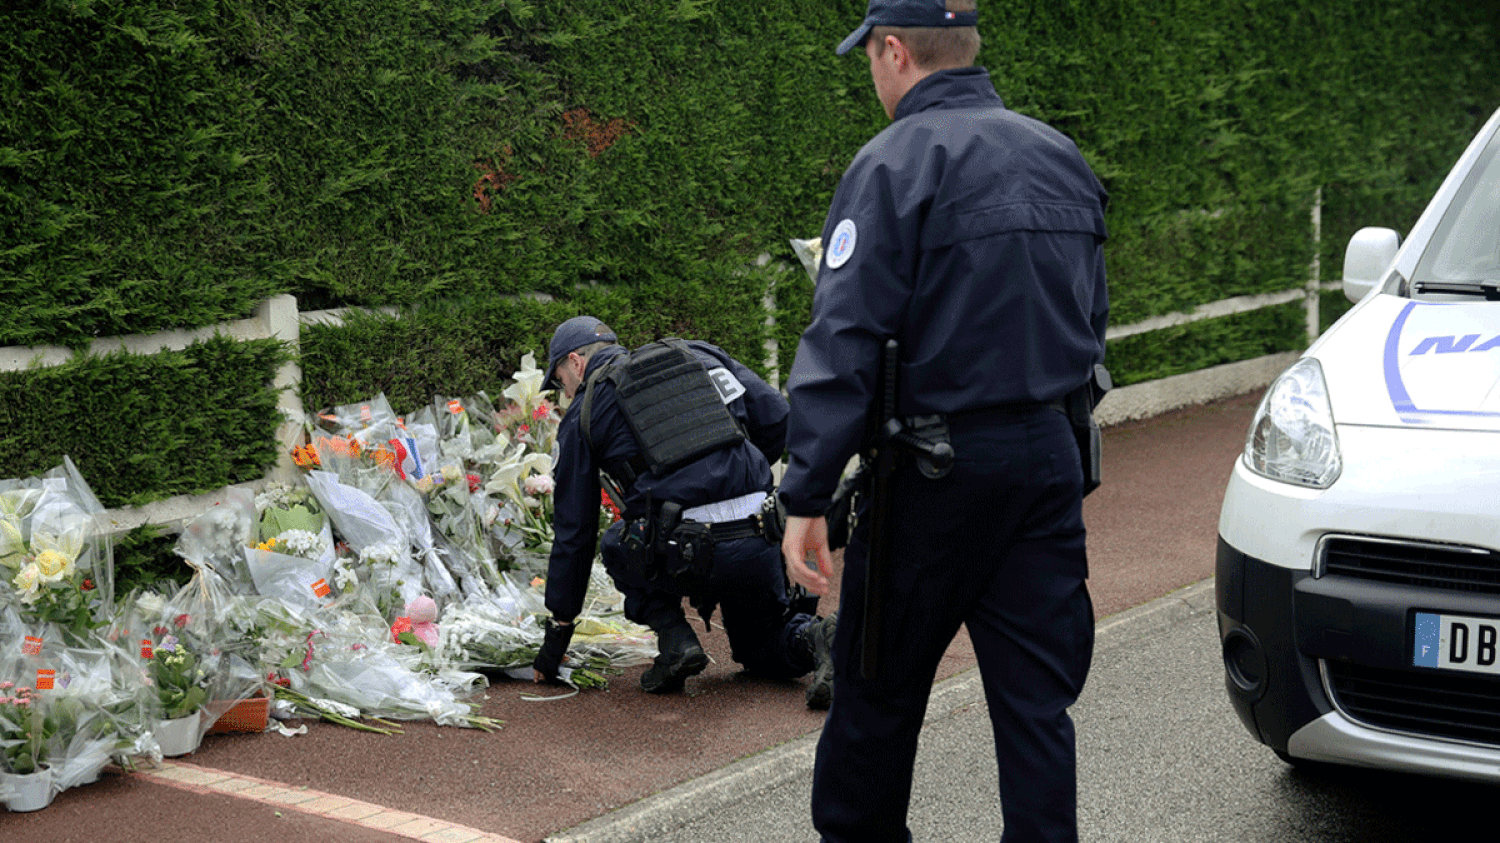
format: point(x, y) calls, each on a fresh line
point(905, 13)
point(571, 336)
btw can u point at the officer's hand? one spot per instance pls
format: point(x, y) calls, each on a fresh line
point(807, 539)
point(555, 640)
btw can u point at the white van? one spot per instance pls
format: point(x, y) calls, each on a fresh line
point(1358, 572)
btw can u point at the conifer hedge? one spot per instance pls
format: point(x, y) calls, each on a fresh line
point(490, 167)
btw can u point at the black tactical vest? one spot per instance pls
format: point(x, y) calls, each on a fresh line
point(672, 406)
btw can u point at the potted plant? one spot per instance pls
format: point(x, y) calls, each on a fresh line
point(25, 732)
point(181, 689)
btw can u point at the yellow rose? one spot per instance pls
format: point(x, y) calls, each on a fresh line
point(53, 565)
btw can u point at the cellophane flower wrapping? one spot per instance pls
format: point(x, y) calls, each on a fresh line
point(56, 703)
point(55, 554)
point(380, 456)
point(383, 549)
point(809, 254)
point(216, 540)
point(199, 660)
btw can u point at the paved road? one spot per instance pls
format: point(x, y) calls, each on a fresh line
point(1161, 759)
point(558, 764)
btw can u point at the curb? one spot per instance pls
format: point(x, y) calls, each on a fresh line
point(671, 809)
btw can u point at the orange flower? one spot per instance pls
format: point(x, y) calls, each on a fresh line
point(401, 625)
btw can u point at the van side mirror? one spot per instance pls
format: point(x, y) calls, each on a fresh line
point(1369, 253)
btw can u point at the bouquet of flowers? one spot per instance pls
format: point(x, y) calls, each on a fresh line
point(530, 418)
point(296, 560)
point(52, 556)
point(523, 481)
point(291, 521)
point(353, 475)
point(213, 544)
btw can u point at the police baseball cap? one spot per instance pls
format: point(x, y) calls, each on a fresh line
point(913, 13)
point(571, 336)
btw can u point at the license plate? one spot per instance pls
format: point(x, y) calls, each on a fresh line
point(1457, 642)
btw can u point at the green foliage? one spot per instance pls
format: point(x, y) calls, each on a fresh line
point(487, 169)
point(1199, 345)
point(462, 347)
point(145, 558)
point(146, 427)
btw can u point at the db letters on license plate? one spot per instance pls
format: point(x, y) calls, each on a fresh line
point(1457, 642)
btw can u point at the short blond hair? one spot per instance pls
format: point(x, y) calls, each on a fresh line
point(935, 48)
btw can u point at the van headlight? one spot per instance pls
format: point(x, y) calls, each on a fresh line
point(1292, 437)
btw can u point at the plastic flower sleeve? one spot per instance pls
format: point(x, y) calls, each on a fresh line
point(129, 706)
point(84, 736)
point(456, 507)
point(199, 662)
point(810, 255)
point(215, 541)
point(380, 686)
point(373, 532)
point(55, 564)
point(291, 579)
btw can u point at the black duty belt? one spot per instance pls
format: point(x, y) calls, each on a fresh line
point(998, 411)
point(740, 528)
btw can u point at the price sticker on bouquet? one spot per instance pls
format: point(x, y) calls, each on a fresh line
point(146, 649)
point(454, 407)
point(46, 678)
point(320, 588)
point(31, 646)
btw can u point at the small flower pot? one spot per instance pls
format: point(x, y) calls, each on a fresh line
point(178, 736)
point(27, 791)
point(247, 715)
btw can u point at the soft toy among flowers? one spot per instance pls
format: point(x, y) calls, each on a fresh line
point(419, 622)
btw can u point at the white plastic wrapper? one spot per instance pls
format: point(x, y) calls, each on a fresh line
point(810, 253)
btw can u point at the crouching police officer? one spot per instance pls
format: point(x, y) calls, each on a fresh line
point(683, 436)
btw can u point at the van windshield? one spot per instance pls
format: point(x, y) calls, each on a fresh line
point(1464, 255)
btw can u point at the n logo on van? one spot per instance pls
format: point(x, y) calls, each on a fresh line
point(1454, 345)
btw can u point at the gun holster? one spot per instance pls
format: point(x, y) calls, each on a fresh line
point(1080, 404)
point(672, 554)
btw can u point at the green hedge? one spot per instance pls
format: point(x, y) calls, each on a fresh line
point(490, 167)
point(145, 427)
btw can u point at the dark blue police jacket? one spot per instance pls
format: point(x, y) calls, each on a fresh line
point(726, 473)
point(971, 234)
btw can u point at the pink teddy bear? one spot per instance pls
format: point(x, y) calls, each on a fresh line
point(423, 613)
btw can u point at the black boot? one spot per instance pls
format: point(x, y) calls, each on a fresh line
point(680, 656)
point(819, 637)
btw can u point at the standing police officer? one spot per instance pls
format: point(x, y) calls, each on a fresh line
point(686, 436)
point(973, 236)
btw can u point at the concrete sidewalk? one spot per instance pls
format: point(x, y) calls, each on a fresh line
point(700, 809)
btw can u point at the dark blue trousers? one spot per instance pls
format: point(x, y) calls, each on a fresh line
point(749, 582)
point(998, 546)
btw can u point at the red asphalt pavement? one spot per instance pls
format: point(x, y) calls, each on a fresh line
point(558, 763)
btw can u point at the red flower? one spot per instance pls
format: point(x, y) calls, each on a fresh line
point(181, 620)
point(473, 483)
point(608, 504)
point(88, 585)
point(400, 458)
point(401, 625)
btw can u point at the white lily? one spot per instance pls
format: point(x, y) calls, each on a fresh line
point(528, 383)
